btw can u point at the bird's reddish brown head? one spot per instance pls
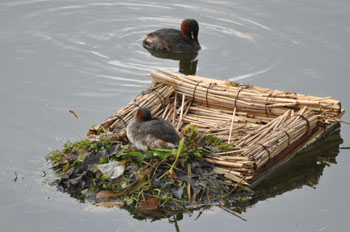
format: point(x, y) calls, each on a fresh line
point(143, 114)
point(189, 29)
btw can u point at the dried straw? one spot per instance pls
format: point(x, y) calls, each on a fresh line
point(260, 123)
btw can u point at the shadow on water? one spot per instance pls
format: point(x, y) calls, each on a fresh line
point(187, 62)
point(304, 169)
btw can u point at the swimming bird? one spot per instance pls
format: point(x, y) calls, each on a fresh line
point(147, 132)
point(175, 41)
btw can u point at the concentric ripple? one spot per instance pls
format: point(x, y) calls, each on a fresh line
point(104, 40)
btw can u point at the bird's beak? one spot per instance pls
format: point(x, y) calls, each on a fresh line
point(192, 35)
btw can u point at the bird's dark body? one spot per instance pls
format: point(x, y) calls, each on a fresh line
point(152, 133)
point(170, 40)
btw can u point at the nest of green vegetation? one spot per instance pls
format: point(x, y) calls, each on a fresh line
point(111, 172)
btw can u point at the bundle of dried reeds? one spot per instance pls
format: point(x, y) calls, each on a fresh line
point(258, 123)
point(227, 95)
point(262, 145)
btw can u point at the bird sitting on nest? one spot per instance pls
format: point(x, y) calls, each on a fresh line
point(146, 132)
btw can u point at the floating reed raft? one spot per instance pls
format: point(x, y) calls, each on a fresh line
point(263, 126)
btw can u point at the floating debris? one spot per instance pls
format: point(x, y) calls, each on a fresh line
point(74, 113)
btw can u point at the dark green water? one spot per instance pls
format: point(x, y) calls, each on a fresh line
point(87, 56)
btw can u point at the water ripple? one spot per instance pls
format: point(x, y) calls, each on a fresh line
point(105, 38)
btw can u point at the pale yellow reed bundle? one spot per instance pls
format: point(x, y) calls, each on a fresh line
point(260, 123)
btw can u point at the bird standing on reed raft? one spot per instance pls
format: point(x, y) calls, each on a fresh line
point(146, 132)
point(175, 41)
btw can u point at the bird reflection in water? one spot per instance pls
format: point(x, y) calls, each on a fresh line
point(187, 61)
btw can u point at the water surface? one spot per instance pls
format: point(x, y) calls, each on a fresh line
point(88, 56)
